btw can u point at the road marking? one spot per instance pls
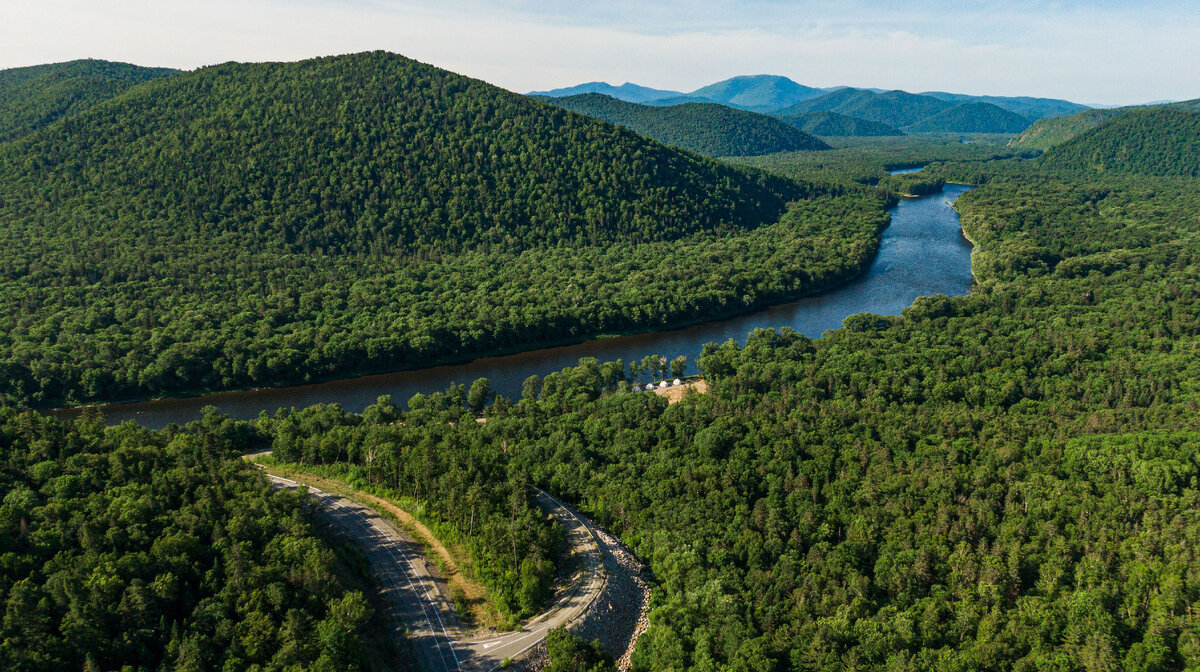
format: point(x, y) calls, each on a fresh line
point(380, 543)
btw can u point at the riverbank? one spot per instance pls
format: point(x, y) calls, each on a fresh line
point(921, 252)
point(529, 346)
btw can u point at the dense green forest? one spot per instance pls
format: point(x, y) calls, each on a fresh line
point(1046, 133)
point(706, 128)
point(866, 161)
point(245, 225)
point(832, 124)
point(973, 118)
point(460, 488)
point(122, 548)
point(1143, 142)
point(33, 97)
point(1006, 480)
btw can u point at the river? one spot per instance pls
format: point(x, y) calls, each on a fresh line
point(922, 252)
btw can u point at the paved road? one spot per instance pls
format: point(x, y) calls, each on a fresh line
point(424, 615)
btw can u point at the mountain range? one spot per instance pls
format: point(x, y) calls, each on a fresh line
point(773, 93)
point(864, 112)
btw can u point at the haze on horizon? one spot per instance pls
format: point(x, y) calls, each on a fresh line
point(1098, 52)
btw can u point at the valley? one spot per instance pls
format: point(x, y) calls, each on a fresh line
point(924, 365)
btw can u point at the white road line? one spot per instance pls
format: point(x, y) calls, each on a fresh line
point(359, 516)
point(379, 540)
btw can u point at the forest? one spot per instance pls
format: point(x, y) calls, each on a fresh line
point(268, 224)
point(1003, 481)
point(1006, 480)
point(1142, 142)
point(125, 549)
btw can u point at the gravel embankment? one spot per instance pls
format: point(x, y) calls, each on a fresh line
point(618, 616)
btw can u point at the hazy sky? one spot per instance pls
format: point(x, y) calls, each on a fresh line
point(1101, 51)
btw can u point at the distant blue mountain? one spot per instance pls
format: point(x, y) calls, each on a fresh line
point(628, 92)
point(758, 93)
point(773, 94)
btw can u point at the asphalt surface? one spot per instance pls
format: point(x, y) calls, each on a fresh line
point(424, 615)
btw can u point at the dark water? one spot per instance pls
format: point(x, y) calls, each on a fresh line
point(922, 253)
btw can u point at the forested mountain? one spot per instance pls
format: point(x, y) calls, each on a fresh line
point(973, 118)
point(759, 93)
point(251, 224)
point(628, 91)
point(894, 108)
point(832, 124)
point(1025, 106)
point(125, 549)
point(706, 128)
point(1143, 142)
point(1047, 133)
point(33, 97)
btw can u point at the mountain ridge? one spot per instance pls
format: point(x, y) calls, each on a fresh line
point(37, 96)
point(706, 128)
point(1156, 141)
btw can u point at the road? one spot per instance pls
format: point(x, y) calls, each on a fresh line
point(424, 615)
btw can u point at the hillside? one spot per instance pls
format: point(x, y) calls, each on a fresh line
point(832, 124)
point(33, 97)
point(1162, 142)
point(894, 108)
point(706, 128)
point(1046, 133)
point(251, 224)
point(1025, 106)
point(759, 93)
point(628, 91)
point(972, 118)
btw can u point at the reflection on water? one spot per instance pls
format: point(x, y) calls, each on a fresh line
point(923, 252)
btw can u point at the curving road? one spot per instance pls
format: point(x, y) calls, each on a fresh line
point(425, 617)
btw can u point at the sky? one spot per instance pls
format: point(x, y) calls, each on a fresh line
point(1094, 52)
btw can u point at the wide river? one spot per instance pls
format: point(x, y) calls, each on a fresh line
point(922, 253)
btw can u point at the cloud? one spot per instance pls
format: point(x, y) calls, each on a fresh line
point(1096, 52)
